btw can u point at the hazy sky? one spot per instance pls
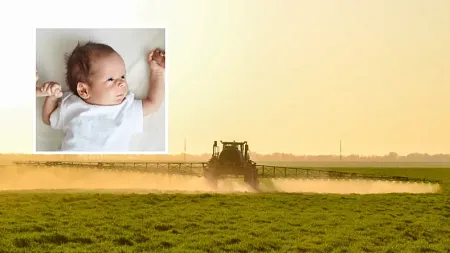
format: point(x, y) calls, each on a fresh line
point(294, 76)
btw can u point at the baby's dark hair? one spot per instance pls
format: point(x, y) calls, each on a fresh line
point(79, 62)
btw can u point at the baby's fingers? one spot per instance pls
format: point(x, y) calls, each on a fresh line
point(55, 89)
point(39, 92)
point(44, 87)
point(58, 93)
point(50, 88)
point(156, 55)
point(163, 61)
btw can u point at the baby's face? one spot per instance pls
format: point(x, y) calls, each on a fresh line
point(108, 85)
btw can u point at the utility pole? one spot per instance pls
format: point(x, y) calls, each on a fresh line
point(185, 149)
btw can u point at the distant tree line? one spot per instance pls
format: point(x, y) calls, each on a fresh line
point(390, 157)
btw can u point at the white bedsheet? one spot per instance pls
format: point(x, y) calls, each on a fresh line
point(132, 44)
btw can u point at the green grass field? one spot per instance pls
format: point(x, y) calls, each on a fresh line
point(271, 222)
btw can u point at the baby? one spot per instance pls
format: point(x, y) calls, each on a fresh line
point(100, 114)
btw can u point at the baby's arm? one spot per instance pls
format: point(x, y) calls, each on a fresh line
point(155, 96)
point(53, 92)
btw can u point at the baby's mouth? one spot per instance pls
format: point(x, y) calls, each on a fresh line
point(121, 97)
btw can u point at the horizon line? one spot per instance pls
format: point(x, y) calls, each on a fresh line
point(252, 153)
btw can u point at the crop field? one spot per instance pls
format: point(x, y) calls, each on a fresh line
point(88, 220)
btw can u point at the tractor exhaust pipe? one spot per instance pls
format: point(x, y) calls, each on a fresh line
point(246, 151)
point(215, 148)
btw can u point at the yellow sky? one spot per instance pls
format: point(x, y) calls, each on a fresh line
point(298, 76)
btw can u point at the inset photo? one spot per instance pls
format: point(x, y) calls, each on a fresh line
point(101, 91)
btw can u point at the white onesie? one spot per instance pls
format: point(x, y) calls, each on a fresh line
point(93, 128)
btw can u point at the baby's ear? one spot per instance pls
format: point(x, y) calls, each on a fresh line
point(83, 90)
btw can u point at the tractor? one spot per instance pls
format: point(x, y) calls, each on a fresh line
point(233, 160)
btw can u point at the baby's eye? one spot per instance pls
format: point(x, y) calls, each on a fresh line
point(123, 77)
point(110, 80)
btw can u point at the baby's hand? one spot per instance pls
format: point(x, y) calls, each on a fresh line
point(157, 59)
point(51, 89)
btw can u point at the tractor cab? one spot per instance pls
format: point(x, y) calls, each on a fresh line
point(233, 160)
point(232, 152)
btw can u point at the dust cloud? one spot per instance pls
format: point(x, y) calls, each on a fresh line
point(54, 178)
point(353, 186)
